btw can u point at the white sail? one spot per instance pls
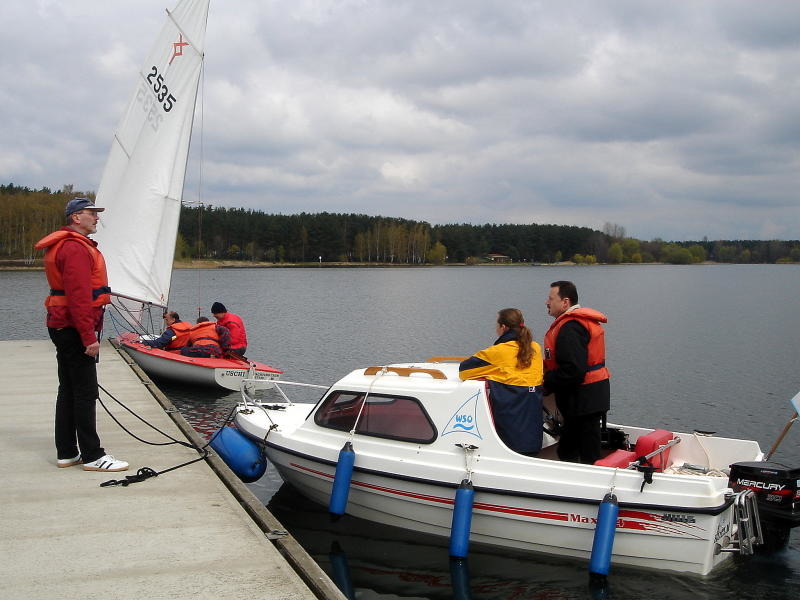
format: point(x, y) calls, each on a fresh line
point(142, 183)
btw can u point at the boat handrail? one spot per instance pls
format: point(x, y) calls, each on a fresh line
point(282, 382)
point(447, 358)
point(405, 371)
point(246, 389)
point(659, 450)
point(748, 532)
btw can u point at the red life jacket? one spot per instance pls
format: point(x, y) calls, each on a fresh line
point(181, 330)
point(596, 360)
point(235, 325)
point(204, 334)
point(99, 279)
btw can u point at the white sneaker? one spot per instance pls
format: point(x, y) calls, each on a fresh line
point(63, 463)
point(106, 463)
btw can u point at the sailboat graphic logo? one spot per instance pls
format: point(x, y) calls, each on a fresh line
point(177, 47)
point(465, 419)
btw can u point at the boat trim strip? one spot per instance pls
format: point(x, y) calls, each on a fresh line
point(712, 510)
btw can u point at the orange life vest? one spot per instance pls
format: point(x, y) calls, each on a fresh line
point(181, 330)
point(596, 360)
point(99, 279)
point(204, 334)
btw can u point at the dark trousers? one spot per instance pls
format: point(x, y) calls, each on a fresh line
point(580, 438)
point(75, 427)
point(201, 351)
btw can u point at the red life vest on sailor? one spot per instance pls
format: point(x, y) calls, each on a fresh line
point(596, 360)
point(235, 325)
point(99, 279)
point(181, 330)
point(204, 334)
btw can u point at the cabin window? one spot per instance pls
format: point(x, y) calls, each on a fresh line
point(394, 417)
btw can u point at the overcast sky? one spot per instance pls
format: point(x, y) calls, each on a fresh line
point(675, 120)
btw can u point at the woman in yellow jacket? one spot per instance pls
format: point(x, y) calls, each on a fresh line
point(513, 368)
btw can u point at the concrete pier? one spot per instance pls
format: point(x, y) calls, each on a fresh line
point(190, 533)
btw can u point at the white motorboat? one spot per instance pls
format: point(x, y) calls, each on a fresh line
point(417, 430)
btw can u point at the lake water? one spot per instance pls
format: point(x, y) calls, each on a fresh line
point(689, 347)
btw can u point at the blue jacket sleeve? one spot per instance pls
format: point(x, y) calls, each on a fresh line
point(162, 340)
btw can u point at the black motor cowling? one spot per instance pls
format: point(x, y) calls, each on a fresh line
point(777, 488)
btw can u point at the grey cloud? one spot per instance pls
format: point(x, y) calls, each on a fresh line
point(657, 116)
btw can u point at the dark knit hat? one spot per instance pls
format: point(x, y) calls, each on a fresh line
point(218, 307)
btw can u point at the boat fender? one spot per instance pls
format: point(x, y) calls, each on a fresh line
point(240, 453)
point(459, 579)
point(341, 480)
point(462, 519)
point(603, 543)
point(340, 570)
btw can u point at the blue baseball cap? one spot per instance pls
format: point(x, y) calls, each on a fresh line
point(77, 204)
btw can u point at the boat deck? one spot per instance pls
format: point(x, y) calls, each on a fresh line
point(180, 535)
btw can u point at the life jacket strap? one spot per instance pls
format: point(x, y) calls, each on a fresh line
point(96, 293)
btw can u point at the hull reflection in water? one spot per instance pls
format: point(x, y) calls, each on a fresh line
point(366, 561)
point(387, 562)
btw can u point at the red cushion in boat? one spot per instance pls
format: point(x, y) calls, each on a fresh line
point(652, 441)
point(618, 458)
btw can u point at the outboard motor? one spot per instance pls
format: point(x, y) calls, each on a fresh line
point(777, 489)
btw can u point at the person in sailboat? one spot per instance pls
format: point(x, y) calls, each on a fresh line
point(76, 272)
point(234, 324)
point(575, 371)
point(175, 336)
point(207, 339)
point(513, 367)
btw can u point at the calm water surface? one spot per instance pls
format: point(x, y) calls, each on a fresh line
point(695, 347)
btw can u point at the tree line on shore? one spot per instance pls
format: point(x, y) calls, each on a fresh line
point(219, 233)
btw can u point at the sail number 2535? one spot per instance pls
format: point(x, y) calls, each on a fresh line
point(156, 80)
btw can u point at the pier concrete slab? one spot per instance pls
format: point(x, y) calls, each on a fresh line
point(179, 535)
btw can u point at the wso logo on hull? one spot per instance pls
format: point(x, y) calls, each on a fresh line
point(465, 419)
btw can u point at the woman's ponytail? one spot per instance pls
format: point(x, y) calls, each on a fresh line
point(513, 319)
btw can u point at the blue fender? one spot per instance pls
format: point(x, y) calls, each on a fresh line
point(603, 542)
point(341, 480)
point(240, 453)
point(462, 519)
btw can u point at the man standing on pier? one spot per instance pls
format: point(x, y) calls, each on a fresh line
point(76, 273)
point(575, 371)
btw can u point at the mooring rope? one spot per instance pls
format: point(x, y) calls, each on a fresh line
point(147, 472)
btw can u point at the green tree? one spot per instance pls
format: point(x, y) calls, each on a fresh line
point(630, 246)
point(437, 254)
point(251, 251)
point(676, 255)
point(182, 249)
point(698, 253)
point(615, 253)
